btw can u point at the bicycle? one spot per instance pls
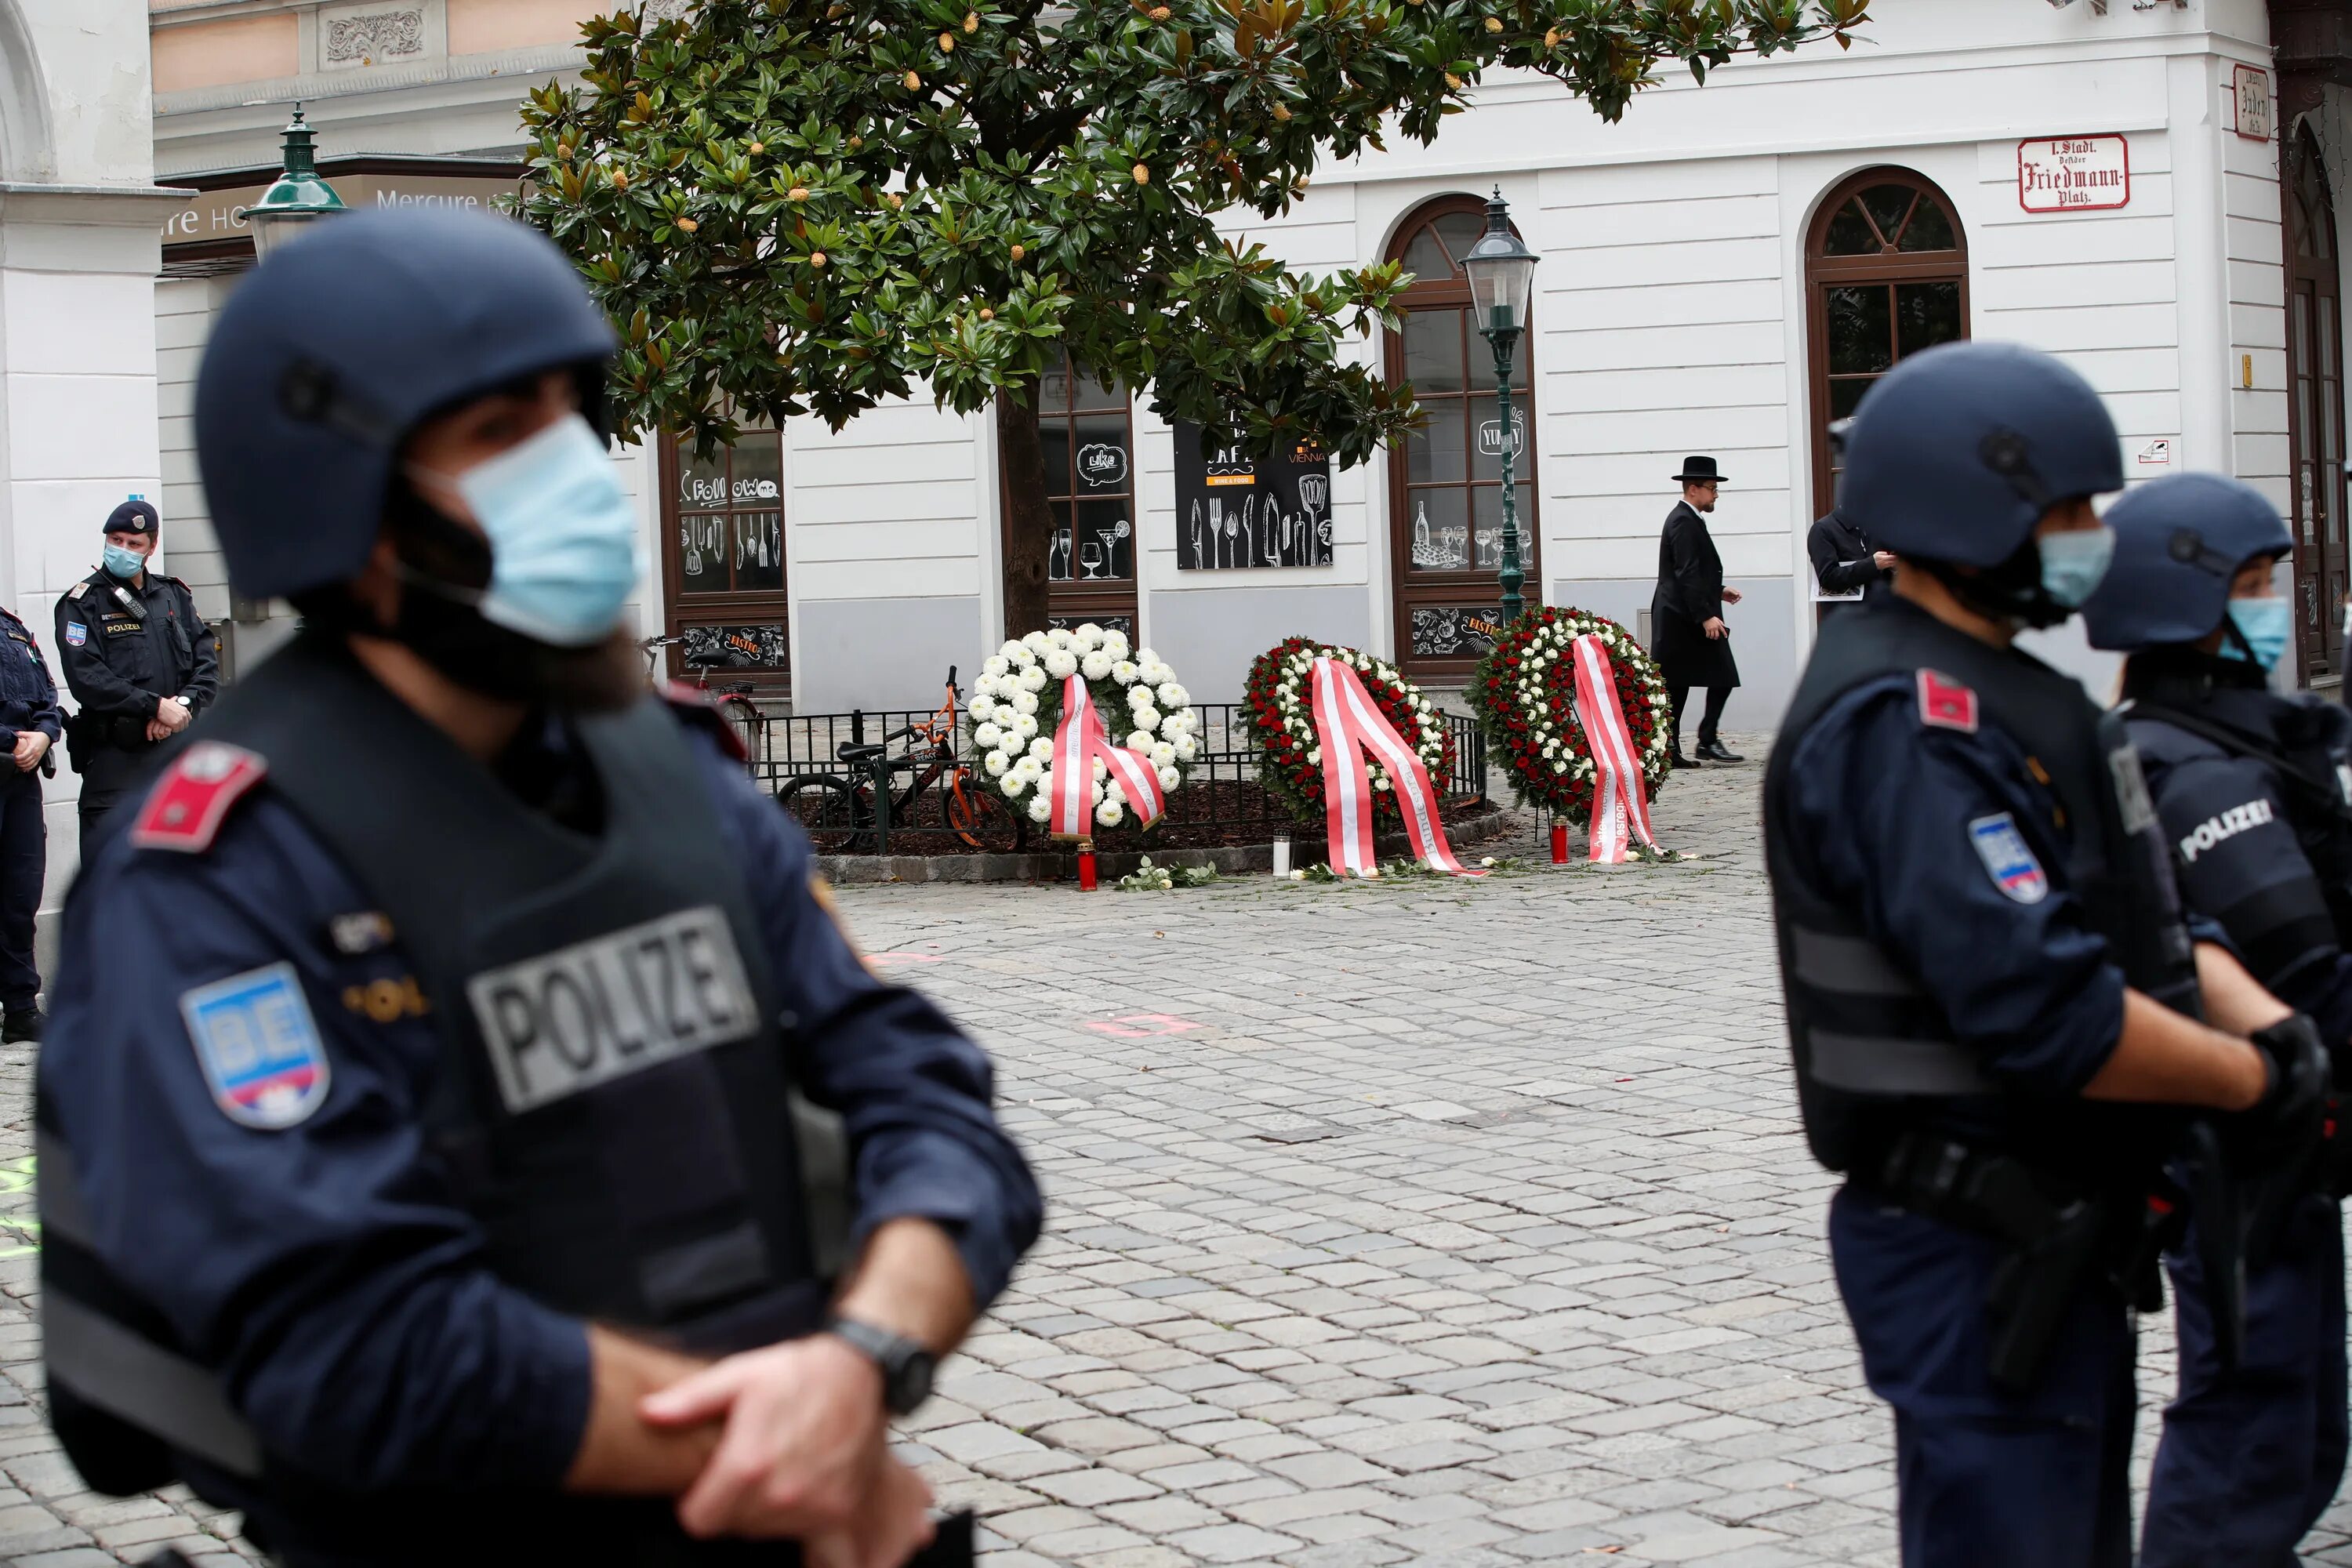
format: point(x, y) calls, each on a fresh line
point(838, 812)
point(734, 701)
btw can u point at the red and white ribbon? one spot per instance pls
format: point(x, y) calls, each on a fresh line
point(1077, 742)
point(1620, 796)
point(1346, 725)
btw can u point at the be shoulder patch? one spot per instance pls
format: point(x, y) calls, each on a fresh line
point(1946, 703)
point(2010, 859)
point(186, 807)
point(77, 633)
point(259, 1046)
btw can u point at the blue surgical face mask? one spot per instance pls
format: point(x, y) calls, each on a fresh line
point(2265, 624)
point(123, 563)
point(563, 542)
point(2074, 563)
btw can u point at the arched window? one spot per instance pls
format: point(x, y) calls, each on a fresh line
point(1445, 481)
point(1886, 275)
point(2315, 369)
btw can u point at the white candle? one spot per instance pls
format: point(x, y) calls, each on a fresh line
point(1282, 856)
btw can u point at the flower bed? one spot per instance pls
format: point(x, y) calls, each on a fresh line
point(1523, 692)
point(1017, 703)
point(1279, 700)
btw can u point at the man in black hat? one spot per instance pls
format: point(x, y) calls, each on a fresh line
point(1687, 636)
point(138, 658)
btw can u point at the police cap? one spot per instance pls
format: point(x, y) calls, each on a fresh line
point(2178, 542)
point(334, 348)
point(133, 516)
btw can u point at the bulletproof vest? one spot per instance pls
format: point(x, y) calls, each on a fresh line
point(1874, 1054)
point(614, 1104)
point(2307, 744)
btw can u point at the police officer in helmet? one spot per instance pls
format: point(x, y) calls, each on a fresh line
point(437, 1186)
point(140, 662)
point(2254, 790)
point(1991, 994)
point(30, 721)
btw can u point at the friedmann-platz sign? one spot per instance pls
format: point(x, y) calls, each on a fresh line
point(2074, 173)
point(217, 214)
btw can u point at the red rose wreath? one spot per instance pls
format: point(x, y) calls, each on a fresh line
point(1278, 700)
point(1523, 692)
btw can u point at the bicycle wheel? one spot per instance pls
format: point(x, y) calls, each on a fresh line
point(750, 727)
point(981, 817)
point(837, 818)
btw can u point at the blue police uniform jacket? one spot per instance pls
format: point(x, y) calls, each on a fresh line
point(1932, 836)
point(2244, 837)
point(28, 696)
point(324, 1270)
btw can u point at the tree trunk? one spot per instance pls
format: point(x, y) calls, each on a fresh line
point(1029, 519)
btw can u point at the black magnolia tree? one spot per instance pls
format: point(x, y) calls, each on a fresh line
point(808, 206)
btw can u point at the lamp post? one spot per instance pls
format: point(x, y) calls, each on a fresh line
point(299, 198)
point(1501, 271)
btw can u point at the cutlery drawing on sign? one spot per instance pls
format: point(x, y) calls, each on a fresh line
point(1244, 513)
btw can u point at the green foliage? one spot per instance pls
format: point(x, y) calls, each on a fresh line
point(807, 206)
point(1147, 878)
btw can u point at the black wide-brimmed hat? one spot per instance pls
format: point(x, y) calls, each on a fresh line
point(1699, 471)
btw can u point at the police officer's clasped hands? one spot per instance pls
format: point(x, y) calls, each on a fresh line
point(462, 1168)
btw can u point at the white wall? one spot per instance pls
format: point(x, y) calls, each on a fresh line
point(78, 418)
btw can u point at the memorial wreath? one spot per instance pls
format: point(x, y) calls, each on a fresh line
point(1144, 728)
point(1525, 693)
point(1280, 700)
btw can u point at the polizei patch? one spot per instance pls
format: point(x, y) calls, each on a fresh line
point(601, 1009)
point(2223, 825)
point(2006, 854)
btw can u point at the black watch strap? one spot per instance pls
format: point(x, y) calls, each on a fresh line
point(906, 1367)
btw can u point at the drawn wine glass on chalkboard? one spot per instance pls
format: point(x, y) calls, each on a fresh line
point(1315, 494)
point(1057, 563)
point(1110, 538)
point(1090, 556)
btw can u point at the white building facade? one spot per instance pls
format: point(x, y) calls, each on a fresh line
point(2146, 192)
point(79, 252)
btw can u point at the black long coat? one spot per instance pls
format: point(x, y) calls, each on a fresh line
point(1842, 557)
point(1690, 593)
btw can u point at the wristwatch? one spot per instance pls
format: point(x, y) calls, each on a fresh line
point(906, 1367)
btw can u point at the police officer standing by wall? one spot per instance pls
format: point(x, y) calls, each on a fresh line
point(2255, 793)
point(432, 1188)
point(30, 720)
point(1990, 987)
point(138, 658)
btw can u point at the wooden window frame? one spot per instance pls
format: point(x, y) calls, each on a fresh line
point(1072, 601)
point(1410, 586)
point(2318, 585)
point(1824, 272)
point(763, 607)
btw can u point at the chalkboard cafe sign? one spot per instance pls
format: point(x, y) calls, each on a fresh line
point(1236, 511)
point(217, 215)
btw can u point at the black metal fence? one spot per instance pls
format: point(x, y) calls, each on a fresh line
point(1221, 798)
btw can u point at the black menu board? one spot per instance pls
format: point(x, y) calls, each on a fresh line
point(1233, 512)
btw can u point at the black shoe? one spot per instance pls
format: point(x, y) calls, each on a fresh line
point(21, 1024)
point(1714, 751)
point(1675, 755)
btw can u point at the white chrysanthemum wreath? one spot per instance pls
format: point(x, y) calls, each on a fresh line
point(1017, 704)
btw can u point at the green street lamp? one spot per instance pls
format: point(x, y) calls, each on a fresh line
point(298, 200)
point(1501, 271)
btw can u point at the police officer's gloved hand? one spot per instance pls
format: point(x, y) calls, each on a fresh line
point(2284, 1129)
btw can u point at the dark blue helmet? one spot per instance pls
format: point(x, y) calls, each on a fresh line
point(1958, 452)
point(2178, 542)
point(332, 351)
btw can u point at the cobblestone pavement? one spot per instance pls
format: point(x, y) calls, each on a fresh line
point(1419, 1222)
